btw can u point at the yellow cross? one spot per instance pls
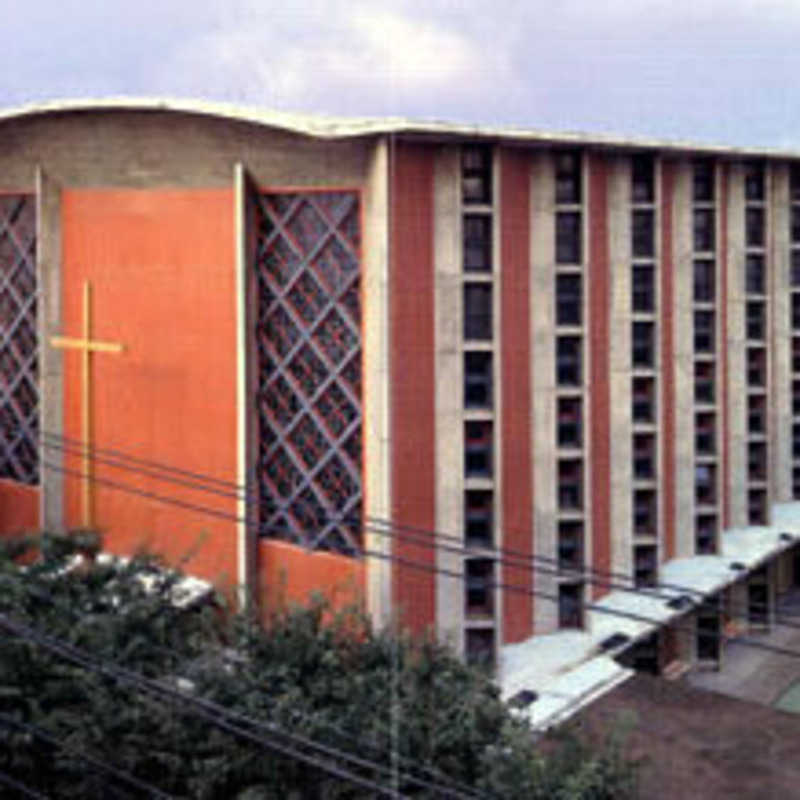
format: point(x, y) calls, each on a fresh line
point(87, 346)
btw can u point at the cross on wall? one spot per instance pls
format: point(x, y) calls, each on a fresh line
point(86, 346)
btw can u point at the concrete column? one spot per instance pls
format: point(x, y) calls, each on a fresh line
point(619, 237)
point(683, 337)
point(780, 361)
point(738, 603)
point(543, 443)
point(737, 389)
point(449, 390)
point(51, 361)
point(377, 420)
point(246, 357)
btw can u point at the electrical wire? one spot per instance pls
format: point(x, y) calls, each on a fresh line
point(411, 532)
point(103, 766)
point(437, 570)
point(204, 709)
point(22, 788)
point(377, 526)
point(435, 774)
point(218, 715)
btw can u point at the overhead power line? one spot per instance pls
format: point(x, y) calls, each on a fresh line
point(421, 566)
point(103, 766)
point(508, 557)
point(203, 709)
point(21, 788)
point(460, 789)
point(250, 729)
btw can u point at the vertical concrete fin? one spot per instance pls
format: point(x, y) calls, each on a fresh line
point(682, 327)
point(246, 535)
point(779, 289)
point(449, 379)
point(51, 362)
point(736, 440)
point(377, 440)
point(543, 383)
point(619, 242)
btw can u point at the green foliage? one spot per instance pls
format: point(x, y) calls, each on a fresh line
point(320, 675)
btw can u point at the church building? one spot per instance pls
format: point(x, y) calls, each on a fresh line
point(505, 384)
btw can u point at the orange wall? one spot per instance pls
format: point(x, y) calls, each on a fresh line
point(19, 507)
point(288, 573)
point(161, 264)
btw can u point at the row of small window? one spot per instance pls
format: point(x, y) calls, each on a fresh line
point(479, 646)
point(704, 236)
point(479, 518)
point(645, 512)
point(476, 174)
point(478, 380)
point(754, 182)
point(757, 506)
point(756, 366)
point(704, 327)
point(570, 605)
point(478, 449)
point(705, 425)
point(644, 506)
point(568, 353)
point(645, 564)
point(479, 583)
point(703, 181)
point(569, 249)
point(570, 484)
point(643, 351)
point(705, 533)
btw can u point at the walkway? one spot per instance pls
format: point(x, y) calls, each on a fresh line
point(760, 676)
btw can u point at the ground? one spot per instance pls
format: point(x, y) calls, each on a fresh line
point(715, 736)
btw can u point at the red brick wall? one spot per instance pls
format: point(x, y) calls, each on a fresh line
point(411, 308)
point(599, 468)
point(667, 364)
point(517, 476)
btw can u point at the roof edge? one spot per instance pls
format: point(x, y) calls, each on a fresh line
point(334, 127)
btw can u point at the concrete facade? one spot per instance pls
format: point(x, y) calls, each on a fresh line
point(414, 218)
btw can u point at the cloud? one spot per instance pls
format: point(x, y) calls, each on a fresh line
point(364, 56)
point(702, 69)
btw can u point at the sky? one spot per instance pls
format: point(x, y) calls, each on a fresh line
point(722, 71)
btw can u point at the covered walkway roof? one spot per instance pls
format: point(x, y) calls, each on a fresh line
point(568, 669)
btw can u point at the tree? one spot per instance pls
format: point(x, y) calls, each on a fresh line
point(308, 677)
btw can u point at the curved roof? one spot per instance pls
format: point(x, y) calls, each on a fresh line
point(330, 127)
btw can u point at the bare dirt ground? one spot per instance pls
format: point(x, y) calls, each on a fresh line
point(697, 743)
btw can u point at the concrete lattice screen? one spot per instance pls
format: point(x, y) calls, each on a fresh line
point(308, 340)
point(19, 341)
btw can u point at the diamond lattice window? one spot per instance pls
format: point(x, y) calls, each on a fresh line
point(19, 342)
point(308, 339)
